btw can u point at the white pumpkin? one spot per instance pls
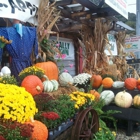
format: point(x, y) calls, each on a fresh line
point(107, 96)
point(118, 84)
point(55, 84)
point(65, 79)
point(6, 71)
point(123, 99)
point(48, 86)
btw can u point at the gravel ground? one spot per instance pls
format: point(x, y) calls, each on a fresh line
point(121, 135)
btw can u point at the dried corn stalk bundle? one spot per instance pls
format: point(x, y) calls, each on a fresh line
point(47, 18)
point(120, 60)
point(95, 40)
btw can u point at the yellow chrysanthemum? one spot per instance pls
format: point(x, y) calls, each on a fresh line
point(16, 103)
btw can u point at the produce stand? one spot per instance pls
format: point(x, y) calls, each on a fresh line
point(131, 114)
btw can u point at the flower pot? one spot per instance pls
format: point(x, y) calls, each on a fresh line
point(59, 128)
point(51, 132)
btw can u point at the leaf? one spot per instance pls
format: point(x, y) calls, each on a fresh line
point(100, 89)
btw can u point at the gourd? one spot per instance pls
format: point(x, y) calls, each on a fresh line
point(32, 84)
point(118, 84)
point(136, 101)
point(107, 96)
point(96, 81)
point(130, 83)
point(107, 82)
point(40, 131)
point(6, 71)
point(48, 85)
point(50, 68)
point(65, 79)
point(123, 99)
point(96, 94)
point(55, 84)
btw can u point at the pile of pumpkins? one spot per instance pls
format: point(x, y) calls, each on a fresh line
point(122, 99)
point(50, 81)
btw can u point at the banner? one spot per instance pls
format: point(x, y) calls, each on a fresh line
point(23, 10)
point(119, 5)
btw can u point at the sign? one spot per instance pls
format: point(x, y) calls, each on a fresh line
point(112, 45)
point(23, 10)
point(66, 47)
point(119, 5)
point(132, 44)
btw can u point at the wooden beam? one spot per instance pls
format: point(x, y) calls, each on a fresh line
point(69, 28)
point(62, 2)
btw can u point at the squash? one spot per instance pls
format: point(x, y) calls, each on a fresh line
point(138, 81)
point(32, 84)
point(55, 84)
point(118, 84)
point(123, 99)
point(96, 94)
point(40, 131)
point(107, 82)
point(50, 68)
point(107, 96)
point(6, 71)
point(96, 81)
point(48, 85)
point(65, 79)
point(130, 83)
point(136, 101)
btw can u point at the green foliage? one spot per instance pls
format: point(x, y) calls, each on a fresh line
point(109, 75)
point(63, 106)
point(8, 80)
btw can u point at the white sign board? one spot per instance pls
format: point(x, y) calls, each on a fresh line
point(132, 44)
point(119, 5)
point(23, 10)
point(66, 47)
point(112, 45)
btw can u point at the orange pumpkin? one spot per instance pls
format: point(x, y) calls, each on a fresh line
point(32, 84)
point(107, 82)
point(96, 81)
point(138, 81)
point(130, 83)
point(50, 68)
point(40, 131)
point(96, 94)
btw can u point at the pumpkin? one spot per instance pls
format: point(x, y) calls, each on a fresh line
point(6, 71)
point(96, 94)
point(138, 81)
point(65, 79)
point(32, 84)
point(55, 84)
point(138, 87)
point(118, 84)
point(123, 99)
point(48, 85)
point(107, 96)
point(96, 81)
point(130, 83)
point(40, 131)
point(107, 82)
point(50, 68)
point(136, 101)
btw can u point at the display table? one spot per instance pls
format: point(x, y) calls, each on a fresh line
point(131, 114)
